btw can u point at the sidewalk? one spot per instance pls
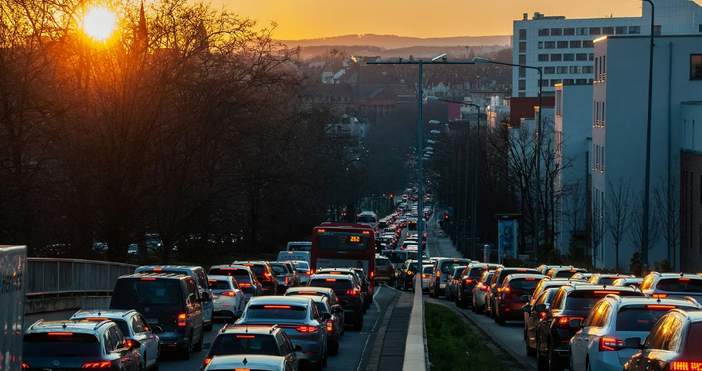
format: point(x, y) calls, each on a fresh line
point(440, 245)
point(389, 346)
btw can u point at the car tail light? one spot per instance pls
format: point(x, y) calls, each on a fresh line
point(563, 321)
point(129, 344)
point(483, 287)
point(267, 277)
point(207, 361)
point(306, 329)
point(24, 365)
point(244, 285)
point(438, 274)
point(307, 273)
point(98, 365)
point(352, 292)
point(425, 276)
point(228, 293)
point(468, 281)
point(611, 344)
point(685, 366)
point(330, 325)
point(506, 289)
point(181, 320)
point(660, 296)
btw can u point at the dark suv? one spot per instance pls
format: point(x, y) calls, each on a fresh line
point(469, 278)
point(496, 283)
point(264, 274)
point(348, 292)
point(562, 320)
point(169, 301)
point(78, 344)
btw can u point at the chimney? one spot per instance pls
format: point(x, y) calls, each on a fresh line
point(526, 17)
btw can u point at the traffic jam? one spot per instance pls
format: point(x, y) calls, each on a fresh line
point(279, 315)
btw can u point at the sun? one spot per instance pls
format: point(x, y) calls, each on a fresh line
point(99, 23)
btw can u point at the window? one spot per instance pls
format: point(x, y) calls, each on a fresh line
point(574, 69)
point(620, 30)
point(562, 69)
point(568, 82)
point(701, 28)
point(544, 32)
point(696, 66)
point(634, 30)
point(575, 44)
point(603, 113)
point(549, 70)
point(602, 148)
point(581, 57)
point(550, 45)
point(522, 34)
point(587, 69)
point(562, 45)
point(543, 57)
point(556, 31)
point(522, 59)
point(580, 81)
point(569, 31)
point(581, 31)
point(608, 30)
point(522, 47)
point(522, 73)
point(591, 57)
point(555, 82)
point(522, 84)
point(657, 30)
point(556, 57)
point(568, 57)
point(588, 44)
point(595, 31)
point(540, 45)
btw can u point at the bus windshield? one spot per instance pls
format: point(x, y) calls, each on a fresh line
point(343, 241)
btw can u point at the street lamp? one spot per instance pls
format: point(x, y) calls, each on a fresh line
point(435, 132)
point(431, 141)
point(647, 177)
point(537, 149)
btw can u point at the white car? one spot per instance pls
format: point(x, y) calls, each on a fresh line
point(227, 296)
point(250, 362)
point(427, 271)
point(599, 345)
point(304, 269)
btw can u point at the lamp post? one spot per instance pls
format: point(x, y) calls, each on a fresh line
point(476, 174)
point(647, 177)
point(537, 149)
point(440, 59)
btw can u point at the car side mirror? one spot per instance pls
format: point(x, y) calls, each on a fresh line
point(156, 329)
point(526, 308)
point(326, 316)
point(207, 346)
point(524, 297)
point(633, 343)
point(540, 308)
point(238, 314)
point(575, 323)
point(133, 344)
point(298, 348)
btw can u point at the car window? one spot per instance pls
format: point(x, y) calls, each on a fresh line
point(680, 285)
point(603, 315)
point(673, 338)
point(523, 284)
point(135, 291)
point(279, 269)
point(657, 336)
point(282, 345)
point(245, 344)
point(136, 326)
point(192, 291)
point(639, 318)
point(694, 338)
point(201, 278)
point(75, 345)
point(647, 283)
point(321, 307)
point(557, 302)
point(116, 337)
point(142, 323)
point(282, 312)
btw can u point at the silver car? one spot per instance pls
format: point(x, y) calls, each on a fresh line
point(480, 292)
point(226, 295)
point(298, 317)
point(250, 362)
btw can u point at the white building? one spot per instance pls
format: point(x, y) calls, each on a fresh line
point(563, 48)
point(573, 142)
point(619, 107)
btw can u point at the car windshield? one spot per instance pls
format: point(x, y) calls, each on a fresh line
point(306, 293)
point(321, 307)
point(151, 292)
point(257, 269)
point(58, 346)
point(230, 344)
point(301, 266)
point(476, 272)
point(396, 257)
point(282, 312)
point(584, 300)
point(447, 266)
point(279, 269)
point(566, 273)
point(640, 318)
point(219, 285)
point(343, 241)
point(334, 284)
point(427, 269)
point(457, 272)
point(680, 285)
point(608, 280)
point(382, 262)
point(524, 284)
point(365, 219)
point(241, 275)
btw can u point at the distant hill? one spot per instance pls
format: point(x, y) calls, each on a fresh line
point(396, 42)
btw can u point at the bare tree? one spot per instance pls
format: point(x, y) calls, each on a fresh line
point(668, 203)
point(619, 216)
point(598, 230)
point(637, 227)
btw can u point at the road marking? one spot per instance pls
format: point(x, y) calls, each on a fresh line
point(375, 301)
point(368, 338)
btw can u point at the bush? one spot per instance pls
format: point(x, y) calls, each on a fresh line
point(636, 265)
point(663, 266)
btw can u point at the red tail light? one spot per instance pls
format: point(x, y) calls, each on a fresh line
point(24, 365)
point(425, 276)
point(468, 281)
point(267, 277)
point(506, 289)
point(483, 287)
point(244, 285)
point(228, 293)
point(306, 329)
point(352, 292)
point(685, 366)
point(608, 344)
point(372, 274)
point(330, 325)
point(207, 361)
point(129, 344)
point(438, 274)
point(182, 320)
point(563, 321)
point(100, 365)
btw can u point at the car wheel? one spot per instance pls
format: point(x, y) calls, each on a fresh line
point(334, 348)
point(501, 320)
point(208, 328)
point(541, 362)
point(185, 355)
point(157, 365)
point(554, 364)
point(198, 346)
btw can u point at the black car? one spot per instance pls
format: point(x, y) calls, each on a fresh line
point(496, 283)
point(562, 319)
point(347, 291)
point(469, 278)
point(264, 274)
point(405, 276)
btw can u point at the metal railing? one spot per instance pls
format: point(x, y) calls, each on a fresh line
point(55, 276)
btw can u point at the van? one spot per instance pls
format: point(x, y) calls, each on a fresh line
point(169, 301)
point(397, 257)
point(198, 274)
point(299, 246)
point(294, 255)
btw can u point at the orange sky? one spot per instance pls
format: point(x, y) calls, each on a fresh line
point(302, 19)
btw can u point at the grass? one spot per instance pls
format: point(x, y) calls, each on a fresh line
point(453, 346)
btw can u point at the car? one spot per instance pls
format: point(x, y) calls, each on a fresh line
point(629, 281)
point(134, 327)
point(427, 270)
point(496, 283)
point(469, 278)
point(168, 301)
point(672, 285)
point(600, 279)
point(572, 303)
point(298, 317)
point(405, 277)
point(244, 277)
point(442, 269)
point(452, 282)
point(480, 291)
point(599, 344)
point(397, 257)
point(349, 293)
point(252, 340)
point(78, 344)
point(303, 268)
point(264, 275)
point(532, 318)
point(515, 291)
point(581, 276)
point(321, 291)
point(384, 270)
point(250, 362)
point(564, 272)
point(365, 285)
point(285, 274)
point(198, 274)
point(358, 275)
point(672, 344)
point(334, 318)
point(227, 296)
point(544, 268)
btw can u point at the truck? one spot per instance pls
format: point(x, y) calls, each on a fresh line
point(13, 264)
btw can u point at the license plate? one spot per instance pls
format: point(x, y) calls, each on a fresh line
point(152, 321)
point(215, 296)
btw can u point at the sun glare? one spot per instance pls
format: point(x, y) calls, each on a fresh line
point(99, 23)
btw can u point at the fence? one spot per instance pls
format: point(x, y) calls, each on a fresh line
point(68, 277)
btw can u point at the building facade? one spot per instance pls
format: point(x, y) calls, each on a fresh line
point(691, 188)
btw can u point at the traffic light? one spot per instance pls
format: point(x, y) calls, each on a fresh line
point(392, 200)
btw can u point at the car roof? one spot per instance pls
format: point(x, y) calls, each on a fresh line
point(219, 277)
point(247, 361)
point(326, 290)
point(81, 326)
point(274, 300)
point(233, 266)
point(157, 275)
point(104, 313)
point(521, 276)
point(315, 298)
point(245, 329)
point(254, 262)
point(347, 277)
point(188, 267)
point(579, 286)
point(648, 300)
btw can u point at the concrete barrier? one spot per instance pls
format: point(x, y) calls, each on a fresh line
point(415, 347)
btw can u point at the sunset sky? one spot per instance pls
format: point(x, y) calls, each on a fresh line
point(303, 19)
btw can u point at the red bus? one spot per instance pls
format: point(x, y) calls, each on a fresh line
point(344, 245)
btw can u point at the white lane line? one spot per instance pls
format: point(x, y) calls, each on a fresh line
point(377, 306)
point(368, 339)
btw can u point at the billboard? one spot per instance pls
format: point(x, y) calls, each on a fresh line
point(507, 238)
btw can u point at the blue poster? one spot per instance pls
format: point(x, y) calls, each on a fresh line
point(507, 237)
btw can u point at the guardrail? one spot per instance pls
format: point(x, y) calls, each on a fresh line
point(415, 346)
point(66, 277)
